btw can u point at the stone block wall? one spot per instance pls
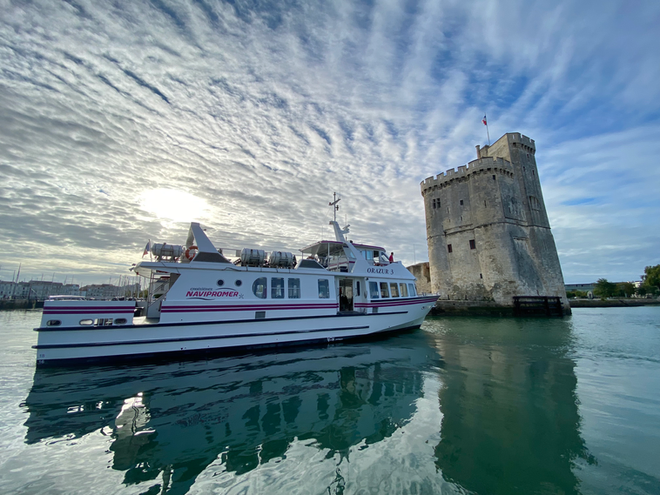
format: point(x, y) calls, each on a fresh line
point(488, 232)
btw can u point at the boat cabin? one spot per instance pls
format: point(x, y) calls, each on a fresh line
point(339, 256)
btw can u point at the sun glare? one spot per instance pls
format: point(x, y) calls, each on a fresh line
point(174, 205)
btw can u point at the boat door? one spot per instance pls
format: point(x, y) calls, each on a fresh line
point(360, 294)
point(345, 294)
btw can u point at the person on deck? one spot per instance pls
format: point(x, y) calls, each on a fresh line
point(391, 257)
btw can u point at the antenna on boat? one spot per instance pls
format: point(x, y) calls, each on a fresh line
point(335, 206)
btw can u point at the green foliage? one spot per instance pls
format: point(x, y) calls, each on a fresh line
point(604, 289)
point(625, 289)
point(573, 294)
point(651, 279)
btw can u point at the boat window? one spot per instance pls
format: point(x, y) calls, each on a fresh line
point(277, 288)
point(294, 288)
point(357, 288)
point(412, 290)
point(404, 290)
point(86, 322)
point(373, 290)
point(53, 323)
point(120, 321)
point(324, 288)
point(309, 264)
point(394, 289)
point(259, 287)
point(384, 292)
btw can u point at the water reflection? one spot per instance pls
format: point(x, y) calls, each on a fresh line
point(511, 421)
point(167, 423)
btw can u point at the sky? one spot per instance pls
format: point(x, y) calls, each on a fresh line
point(122, 121)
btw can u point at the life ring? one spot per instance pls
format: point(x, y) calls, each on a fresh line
point(189, 256)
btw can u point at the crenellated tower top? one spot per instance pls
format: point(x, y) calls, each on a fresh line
point(502, 147)
point(481, 165)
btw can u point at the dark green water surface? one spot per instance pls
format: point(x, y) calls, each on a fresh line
point(464, 405)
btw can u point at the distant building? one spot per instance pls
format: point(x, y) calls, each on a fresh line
point(488, 232)
point(580, 287)
point(108, 291)
point(422, 273)
point(38, 290)
point(6, 289)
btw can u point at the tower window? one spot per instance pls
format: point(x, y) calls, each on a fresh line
point(461, 202)
point(534, 203)
point(449, 250)
point(493, 176)
point(472, 244)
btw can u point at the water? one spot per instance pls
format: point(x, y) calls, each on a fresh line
point(465, 405)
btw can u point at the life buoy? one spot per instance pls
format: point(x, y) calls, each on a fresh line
point(189, 256)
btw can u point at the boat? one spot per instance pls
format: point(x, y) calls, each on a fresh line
point(200, 300)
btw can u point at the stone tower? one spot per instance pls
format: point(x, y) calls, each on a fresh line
point(488, 232)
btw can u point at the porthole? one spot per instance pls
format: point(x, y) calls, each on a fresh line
point(53, 323)
point(86, 322)
point(221, 283)
point(120, 321)
point(238, 283)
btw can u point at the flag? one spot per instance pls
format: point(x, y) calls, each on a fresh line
point(484, 120)
point(146, 248)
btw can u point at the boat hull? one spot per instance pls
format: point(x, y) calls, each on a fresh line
point(85, 344)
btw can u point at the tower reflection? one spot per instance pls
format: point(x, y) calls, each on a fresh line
point(510, 412)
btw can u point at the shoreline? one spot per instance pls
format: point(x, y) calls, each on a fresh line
point(9, 304)
point(612, 303)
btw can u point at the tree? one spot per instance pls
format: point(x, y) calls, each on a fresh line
point(573, 294)
point(651, 279)
point(604, 289)
point(625, 289)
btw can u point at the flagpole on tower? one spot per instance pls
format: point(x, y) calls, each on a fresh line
point(485, 121)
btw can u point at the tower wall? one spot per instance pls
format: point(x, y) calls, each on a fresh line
point(488, 232)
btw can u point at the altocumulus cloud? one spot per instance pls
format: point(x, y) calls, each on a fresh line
point(255, 112)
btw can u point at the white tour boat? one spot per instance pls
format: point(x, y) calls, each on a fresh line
point(199, 300)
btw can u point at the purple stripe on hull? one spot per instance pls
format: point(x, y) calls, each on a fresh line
point(195, 309)
point(90, 307)
point(73, 311)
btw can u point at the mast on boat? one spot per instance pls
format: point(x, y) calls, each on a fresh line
point(335, 206)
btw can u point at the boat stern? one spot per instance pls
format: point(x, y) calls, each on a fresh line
point(84, 313)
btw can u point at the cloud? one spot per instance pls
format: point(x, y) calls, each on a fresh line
point(262, 110)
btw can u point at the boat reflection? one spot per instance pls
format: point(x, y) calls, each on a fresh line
point(510, 411)
point(169, 422)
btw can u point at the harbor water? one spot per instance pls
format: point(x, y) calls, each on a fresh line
point(463, 405)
